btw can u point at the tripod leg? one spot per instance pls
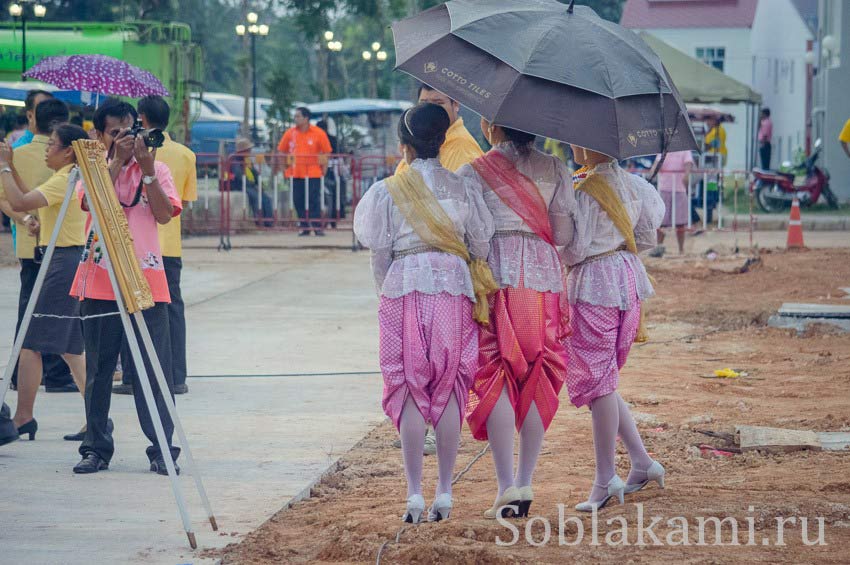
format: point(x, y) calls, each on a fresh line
point(172, 411)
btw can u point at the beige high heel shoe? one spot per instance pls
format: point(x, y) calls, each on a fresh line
point(507, 506)
point(526, 496)
point(655, 473)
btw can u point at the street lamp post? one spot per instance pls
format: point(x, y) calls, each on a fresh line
point(377, 55)
point(253, 30)
point(17, 10)
point(334, 46)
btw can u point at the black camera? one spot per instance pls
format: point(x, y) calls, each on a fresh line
point(153, 138)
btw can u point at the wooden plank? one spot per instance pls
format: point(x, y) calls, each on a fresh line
point(775, 440)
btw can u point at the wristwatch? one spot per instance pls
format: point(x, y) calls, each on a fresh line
point(148, 179)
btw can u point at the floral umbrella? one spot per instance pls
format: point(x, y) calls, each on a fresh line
point(97, 73)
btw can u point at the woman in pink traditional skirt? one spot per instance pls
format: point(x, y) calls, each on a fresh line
point(522, 369)
point(607, 283)
point(415, 223)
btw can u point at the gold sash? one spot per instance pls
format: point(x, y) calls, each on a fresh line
point(423, 212)
point(604, 194)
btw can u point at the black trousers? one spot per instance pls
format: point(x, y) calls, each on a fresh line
point(55, 370)
point(104, 339)
point(315, 186)
point(764, 155)
point(176, 325)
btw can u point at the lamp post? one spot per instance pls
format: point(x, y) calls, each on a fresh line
point(253, 30)
point(334, 46)
point(377, 55)
point(18, 10)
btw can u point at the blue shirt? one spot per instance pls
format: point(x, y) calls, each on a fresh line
point(23, 140)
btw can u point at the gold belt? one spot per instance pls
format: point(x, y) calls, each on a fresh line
point(521, 233)
point(599, 256)
point(415, 251)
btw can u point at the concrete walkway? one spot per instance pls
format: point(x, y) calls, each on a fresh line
point(260, 441)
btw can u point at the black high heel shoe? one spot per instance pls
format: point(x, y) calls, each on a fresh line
point(81, 435)
point(29, 428)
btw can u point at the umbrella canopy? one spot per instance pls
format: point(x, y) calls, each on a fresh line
point(545, 68)
point(97, 73)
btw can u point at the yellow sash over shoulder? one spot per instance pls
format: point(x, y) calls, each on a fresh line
point(598, 188)
point(423, 212)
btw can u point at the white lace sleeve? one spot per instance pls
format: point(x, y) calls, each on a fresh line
point(373, 226)
point(587, 208)
point(479, 225)
point(651, 214)
point(562, 209)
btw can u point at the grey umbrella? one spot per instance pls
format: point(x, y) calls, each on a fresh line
point(543, 67)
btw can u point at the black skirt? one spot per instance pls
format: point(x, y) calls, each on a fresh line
point(46, 333)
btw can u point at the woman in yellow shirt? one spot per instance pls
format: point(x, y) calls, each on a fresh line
point(62, 336)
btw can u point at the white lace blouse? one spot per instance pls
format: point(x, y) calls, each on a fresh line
point(513, 256)
point(604, 282)
point(380, 226)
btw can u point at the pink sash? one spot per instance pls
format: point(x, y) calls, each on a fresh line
point(517, 191)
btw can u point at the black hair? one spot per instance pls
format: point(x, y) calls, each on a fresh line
point(113, 107)
point(29, 102)
point(68, 133)
point(424, 127)
point(422, 86)
point(305, 111)
point(21, 120)
point(766, 111)
point(521, 140)
point(322, 124)
point(76, 120)
point(49, 114)
point(156, 110)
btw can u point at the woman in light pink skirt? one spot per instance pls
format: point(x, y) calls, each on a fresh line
point(428, 337)
point(606, 285)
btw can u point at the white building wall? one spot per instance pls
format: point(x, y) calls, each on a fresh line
point(738, 65)
point(834, 84)
point(778, 46)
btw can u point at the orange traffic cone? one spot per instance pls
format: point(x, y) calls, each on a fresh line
point(795, 227)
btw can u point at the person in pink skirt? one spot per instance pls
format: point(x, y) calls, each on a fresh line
point(531, 197)
point(606, 285)
point(428, 231)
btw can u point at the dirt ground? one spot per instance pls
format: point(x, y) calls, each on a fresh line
point(703, 319)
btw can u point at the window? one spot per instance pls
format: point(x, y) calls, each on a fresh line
point(714, 56)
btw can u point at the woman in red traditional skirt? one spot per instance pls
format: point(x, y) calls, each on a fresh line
point(522, 368)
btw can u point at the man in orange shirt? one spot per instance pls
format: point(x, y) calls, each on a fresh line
point(307, 146)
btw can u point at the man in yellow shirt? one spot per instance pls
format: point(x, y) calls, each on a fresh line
point(28, 161)
point(715, 140)
point(460, 148)
point(844, 138)
point(154, 113)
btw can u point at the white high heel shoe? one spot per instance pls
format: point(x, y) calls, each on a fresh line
point(441, 508)
point(415, 508)
point(655, 473)
point(616, 487)
point(507, 506)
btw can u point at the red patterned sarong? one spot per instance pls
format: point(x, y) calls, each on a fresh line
point(429, 350)
point(520, 348)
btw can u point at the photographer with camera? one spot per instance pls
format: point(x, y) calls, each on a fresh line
point(146, 192)
point(154, 113)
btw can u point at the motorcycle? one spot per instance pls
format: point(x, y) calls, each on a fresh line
point(774, 190)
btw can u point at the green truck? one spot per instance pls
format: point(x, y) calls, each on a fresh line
point(164, 49)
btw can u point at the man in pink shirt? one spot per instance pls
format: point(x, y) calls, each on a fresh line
point(146, 192)
point(764, 136)
point(673, 179)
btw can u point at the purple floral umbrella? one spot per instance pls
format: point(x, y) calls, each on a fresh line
point(97, 73)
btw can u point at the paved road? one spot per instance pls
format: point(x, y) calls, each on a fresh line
point(259, 440)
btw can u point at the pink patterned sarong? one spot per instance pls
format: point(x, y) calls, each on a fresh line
point(599, 345)
point(520, 348)
point(428, 349)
